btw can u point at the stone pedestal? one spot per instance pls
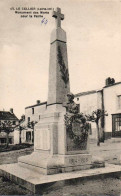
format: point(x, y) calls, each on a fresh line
point(51, 154)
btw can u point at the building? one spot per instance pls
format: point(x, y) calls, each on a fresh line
point(32, 116)
point(108, 99)
point(32, 113)
point(23, 133)
point(112, 104)
point(5, 117)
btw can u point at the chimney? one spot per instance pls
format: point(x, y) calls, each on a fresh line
point(11, 110)
point(109, 81)
point(38, 101)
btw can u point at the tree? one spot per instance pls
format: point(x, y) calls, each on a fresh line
point(31, 126)
point(20, 128)
point(7, 127)
point(95, 117)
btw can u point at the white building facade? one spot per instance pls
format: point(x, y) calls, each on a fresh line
point(112, 104)
point(32, 115)
point(108, 99)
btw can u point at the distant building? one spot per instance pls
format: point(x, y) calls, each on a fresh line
point(109, 99)
point(6, 116)
point(32, 114)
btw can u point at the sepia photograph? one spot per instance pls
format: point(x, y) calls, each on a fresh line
point(60, 97)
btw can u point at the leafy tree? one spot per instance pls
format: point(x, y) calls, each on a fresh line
point(95, 117)
point(7, 127)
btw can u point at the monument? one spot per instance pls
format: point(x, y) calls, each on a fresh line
point(61, 135)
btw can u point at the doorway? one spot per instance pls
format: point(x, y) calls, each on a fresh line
point(116, 125)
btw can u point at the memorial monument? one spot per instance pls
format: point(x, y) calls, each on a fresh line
point(61, 135)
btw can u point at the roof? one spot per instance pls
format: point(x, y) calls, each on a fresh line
point(43, 103)
point(95, 91)
point(7, 116)
point(86, 93)
point(112, 85)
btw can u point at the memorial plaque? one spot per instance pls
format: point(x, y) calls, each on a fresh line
point(42, 139)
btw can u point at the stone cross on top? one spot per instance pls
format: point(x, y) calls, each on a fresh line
point(58, 16)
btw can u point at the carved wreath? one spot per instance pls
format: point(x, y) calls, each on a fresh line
point(63, 68)
point(84, 128)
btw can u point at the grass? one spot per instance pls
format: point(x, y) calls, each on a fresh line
point(3, 148)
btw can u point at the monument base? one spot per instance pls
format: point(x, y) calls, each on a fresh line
point(51, 154)
point(48, 165)
point(39, 183)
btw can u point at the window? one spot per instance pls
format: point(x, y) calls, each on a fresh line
point(3, 140)
point(28, 119)
point(14, 122)
point(10, 140)
point(78, 107)
point(119, 101)
point(28, 136)
point(32, 110)
point(39, 117)
point(77, 98)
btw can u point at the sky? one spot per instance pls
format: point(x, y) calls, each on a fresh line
point(93, 44)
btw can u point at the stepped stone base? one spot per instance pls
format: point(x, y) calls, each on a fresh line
point(46, 164)
point(38, 183)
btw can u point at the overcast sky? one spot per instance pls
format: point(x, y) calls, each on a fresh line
point(93, 42)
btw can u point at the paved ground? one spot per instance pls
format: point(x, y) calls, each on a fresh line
point(110, 151)
point(105, 187)
point(12, 156)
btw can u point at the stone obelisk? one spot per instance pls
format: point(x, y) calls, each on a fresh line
point(58, 67)
point(50, 131)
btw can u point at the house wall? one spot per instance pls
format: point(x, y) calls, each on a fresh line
point(37, 111)
point(88, 103)
point(106, 99)
point(11, 134)
point(16, 137)
point(111, 105)
point(23, 136)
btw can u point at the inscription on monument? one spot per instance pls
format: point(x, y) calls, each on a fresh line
point(42, 139)
point(79, 160)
